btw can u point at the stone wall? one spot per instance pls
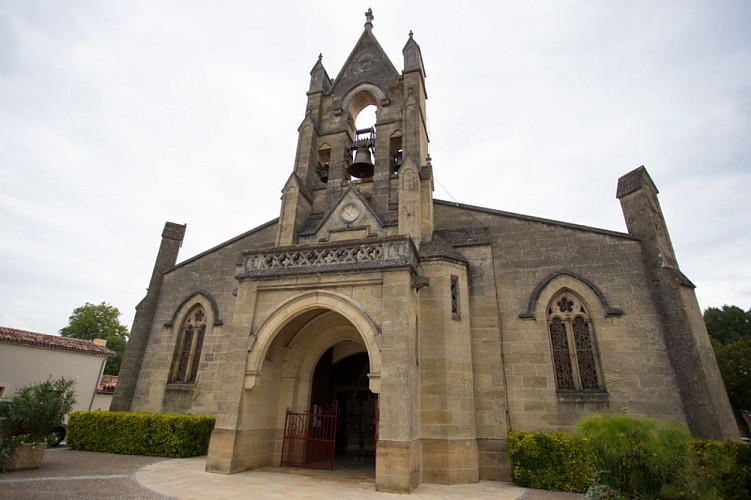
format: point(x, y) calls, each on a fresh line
point(451, 384)
point(605, 269)
point(208, 277)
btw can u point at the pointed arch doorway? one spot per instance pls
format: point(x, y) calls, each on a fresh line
point(341, 378)
point(280, 366)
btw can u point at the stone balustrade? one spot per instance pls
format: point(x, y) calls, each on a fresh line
point(330, 257)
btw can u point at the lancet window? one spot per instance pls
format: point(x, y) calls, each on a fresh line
point(189, 346)
point(573, 345)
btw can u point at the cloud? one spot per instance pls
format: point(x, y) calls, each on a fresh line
point(115, 117)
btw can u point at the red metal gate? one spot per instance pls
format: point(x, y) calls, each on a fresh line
point(310, 438)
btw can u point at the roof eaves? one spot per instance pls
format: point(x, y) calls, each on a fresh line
point(25, 338)
point(541, 220)
point(222, 245)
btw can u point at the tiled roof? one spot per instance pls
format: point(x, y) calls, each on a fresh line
point(107, 384)
point(31, 339)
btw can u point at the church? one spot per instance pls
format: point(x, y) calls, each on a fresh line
point(372, 324)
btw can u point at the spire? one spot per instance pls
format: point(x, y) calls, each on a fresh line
point(413, 56)
point(366, 59)
point(369, 19)
point(319, 79)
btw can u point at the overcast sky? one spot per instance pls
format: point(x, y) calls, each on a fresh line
point(118, 116)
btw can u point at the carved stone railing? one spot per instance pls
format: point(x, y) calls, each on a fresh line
point(330, 257)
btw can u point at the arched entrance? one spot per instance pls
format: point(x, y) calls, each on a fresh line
point(341, 376)
point(283, 352)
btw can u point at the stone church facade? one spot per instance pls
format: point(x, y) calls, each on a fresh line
point(438, 327)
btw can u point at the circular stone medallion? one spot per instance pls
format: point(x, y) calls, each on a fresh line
point(349, 213)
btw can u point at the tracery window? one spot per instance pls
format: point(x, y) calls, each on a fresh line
point(573, 346)
point(188, 348)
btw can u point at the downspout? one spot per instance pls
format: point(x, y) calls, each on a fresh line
point(101, 372)
point(500, 336)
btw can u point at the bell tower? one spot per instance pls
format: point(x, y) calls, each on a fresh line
point(350, 183)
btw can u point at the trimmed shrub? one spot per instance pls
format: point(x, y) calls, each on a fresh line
point(549, 461)
point(130, 433)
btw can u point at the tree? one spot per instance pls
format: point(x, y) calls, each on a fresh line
point(734, 361)
point(729, 324)
point(91, 321)
point(117, 345)
point(730, 332)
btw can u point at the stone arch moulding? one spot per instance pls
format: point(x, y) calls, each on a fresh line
point(565, 279)
point(261, 340)
point(360, 97)
point(192, 297)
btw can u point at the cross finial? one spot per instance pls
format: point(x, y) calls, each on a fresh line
point(320, 56)
point(410, 33)
point(369, 18)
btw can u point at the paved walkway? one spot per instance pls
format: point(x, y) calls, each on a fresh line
point(186, 479)
point(68, 474)
point(72, 475)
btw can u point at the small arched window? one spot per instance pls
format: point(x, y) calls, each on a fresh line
point(573, 345)
point(188, 348)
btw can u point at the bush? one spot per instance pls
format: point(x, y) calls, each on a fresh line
point(690, 468)
point(725, 466)
point(32, 413)
point(35, 410)
point(549, 461)
point(128, 433)
point(641, 458)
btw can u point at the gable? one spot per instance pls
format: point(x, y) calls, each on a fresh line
point(367, 63)
point(353, 217)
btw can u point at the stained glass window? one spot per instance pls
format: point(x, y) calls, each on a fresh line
point(561, 356)
point(189, 346)
point(571, 340)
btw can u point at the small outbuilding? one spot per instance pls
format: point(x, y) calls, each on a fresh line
point(27, 358)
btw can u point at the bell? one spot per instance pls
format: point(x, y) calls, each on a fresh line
point(362, 166)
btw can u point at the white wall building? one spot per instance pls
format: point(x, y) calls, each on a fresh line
point(27, 358)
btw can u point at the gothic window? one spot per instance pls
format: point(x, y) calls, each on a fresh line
point(572, 344)
point(188, 349)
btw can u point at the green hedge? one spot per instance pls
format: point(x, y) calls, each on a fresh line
point(129, 433)
point(549, 461)
point(559, 462)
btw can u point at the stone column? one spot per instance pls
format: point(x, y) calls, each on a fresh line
point(398, 451)
point(225, 454)
point(447, 409)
